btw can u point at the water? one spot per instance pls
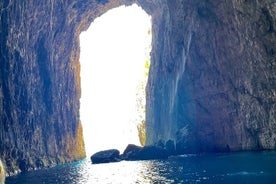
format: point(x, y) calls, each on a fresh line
point(247, 167)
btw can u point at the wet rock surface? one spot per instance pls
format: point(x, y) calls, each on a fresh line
point(106, 156)
point(149, 153)
point(212, 81)
point(132, 152)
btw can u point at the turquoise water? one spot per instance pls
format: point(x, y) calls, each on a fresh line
point(247, 167)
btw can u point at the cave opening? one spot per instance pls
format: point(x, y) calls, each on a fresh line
point(115, 59)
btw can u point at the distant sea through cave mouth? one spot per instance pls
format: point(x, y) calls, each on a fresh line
point(114, 68)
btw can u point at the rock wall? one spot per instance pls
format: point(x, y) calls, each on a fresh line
point(40, 80)
point(212, 82)
point(39, 86)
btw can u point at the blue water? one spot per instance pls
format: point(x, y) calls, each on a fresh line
point(246, 167)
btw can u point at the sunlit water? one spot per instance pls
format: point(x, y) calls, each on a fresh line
point(249, 167)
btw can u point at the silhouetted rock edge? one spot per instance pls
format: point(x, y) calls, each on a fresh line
point(132, 152)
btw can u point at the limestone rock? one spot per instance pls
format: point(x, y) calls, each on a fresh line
point(106, 156)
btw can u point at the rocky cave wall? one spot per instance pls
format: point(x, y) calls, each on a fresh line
point(39, 86)
point(40, 80)
point(212, 82)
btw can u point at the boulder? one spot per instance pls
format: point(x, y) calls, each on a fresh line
point(134, 152)
point(130, 151)
point(106, 156)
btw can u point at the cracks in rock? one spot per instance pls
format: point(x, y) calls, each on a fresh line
point(205, 110)
point(5, 5)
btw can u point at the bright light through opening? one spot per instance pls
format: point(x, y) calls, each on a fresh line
point(114, 51)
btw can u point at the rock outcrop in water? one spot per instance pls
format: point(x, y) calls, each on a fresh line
point(212, 81)
point(132, 152)
point(106, 156)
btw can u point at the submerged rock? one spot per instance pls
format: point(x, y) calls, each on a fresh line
point(106, 156)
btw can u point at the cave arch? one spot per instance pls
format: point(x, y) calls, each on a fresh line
point(114, 52)
point(211, 83)
point(41, 56)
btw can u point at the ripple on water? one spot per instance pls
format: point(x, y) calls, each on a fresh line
point(227, 168)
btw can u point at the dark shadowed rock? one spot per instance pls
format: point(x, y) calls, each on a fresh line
point(151, 152)
point(170, 147)
point(134, 152)
point(106, 156)
point(130, 151)
point(23, 165)
point(211, 86)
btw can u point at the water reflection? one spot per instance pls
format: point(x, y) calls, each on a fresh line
point(84, 172)
point(123, 172)
point(220, 168)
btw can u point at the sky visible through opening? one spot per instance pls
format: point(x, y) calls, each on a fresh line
point(113, 54)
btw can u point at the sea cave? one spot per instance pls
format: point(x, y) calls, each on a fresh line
point(211, 85)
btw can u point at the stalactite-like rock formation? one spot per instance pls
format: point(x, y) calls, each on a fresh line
point(211, 83)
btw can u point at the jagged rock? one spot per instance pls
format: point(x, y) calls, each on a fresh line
point(106, 156)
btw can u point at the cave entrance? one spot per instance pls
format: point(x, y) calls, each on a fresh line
point(114, 66)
